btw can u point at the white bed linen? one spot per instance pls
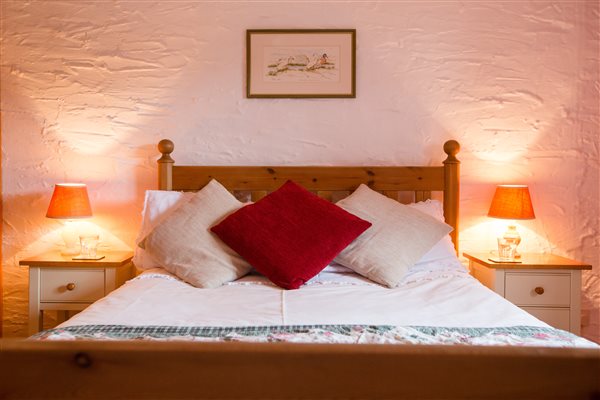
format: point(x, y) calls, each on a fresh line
point(432, 294)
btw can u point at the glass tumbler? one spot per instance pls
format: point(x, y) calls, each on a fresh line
point(506, 249)
point(89, 245)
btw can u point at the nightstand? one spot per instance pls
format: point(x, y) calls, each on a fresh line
point(59, 283)
point(544, 285)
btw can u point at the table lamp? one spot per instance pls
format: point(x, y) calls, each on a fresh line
point(511, 202)
point(69, 202)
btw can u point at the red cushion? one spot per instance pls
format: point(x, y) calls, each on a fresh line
point(290, 235)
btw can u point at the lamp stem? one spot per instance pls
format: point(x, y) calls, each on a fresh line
point(71, 239)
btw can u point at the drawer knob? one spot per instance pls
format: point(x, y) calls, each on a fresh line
point(539, 290)
point(71, 286)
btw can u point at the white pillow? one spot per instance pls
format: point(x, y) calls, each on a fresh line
point(399, 237)
point(158, 205)
point(183, 244)
point(444, 248)
point(337, 268)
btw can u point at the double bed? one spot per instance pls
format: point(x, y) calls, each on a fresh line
point(436, 303)
point(340, 335)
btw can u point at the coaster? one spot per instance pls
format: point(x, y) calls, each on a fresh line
point(88, 258)
point(504, 260)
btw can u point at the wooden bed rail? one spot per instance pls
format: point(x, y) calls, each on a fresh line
point(178, 370)
point(324, 180)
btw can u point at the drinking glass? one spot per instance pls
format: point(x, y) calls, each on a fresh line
point(506, 249)
point(89, 245)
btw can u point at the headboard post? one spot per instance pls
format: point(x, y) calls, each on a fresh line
point(452, 187)
point(165, 165)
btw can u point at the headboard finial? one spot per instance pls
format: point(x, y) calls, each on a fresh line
point(165, 165)
point(166, 147)
point(451, 147)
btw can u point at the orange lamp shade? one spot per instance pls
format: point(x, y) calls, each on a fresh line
point(512, 202)
point(69, 201)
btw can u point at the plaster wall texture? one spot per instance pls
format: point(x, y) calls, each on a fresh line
point(89, 88)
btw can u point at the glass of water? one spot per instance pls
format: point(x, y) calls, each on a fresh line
point(506, 249)
point(89, 245)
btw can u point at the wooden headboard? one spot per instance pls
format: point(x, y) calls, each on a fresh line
point(324, 181)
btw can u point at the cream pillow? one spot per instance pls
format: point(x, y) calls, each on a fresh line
point(158, 205)
point(183, 244)
point(399, 237)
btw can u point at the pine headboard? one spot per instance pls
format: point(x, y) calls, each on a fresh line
point(323, 181)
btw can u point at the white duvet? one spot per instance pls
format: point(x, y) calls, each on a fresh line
point(433, 294)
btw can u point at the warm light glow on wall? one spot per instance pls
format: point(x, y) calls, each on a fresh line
point(502, 147)
point(53, 238)
point(500, 139)
point(482, 234)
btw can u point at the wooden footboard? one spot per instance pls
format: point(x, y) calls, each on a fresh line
point(177, 370)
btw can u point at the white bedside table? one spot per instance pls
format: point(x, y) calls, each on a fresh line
point(544, 285)
point(59, 283)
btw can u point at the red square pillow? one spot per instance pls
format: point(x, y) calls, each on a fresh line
point(290, 235)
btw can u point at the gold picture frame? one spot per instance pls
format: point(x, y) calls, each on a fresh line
point(301, 63)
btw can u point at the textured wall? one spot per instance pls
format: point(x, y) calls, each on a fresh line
point(88, 88)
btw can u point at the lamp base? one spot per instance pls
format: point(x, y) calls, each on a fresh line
point(71, 239)
point(512, 236)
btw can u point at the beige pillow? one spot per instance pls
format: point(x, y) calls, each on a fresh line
point(184, 245)
point(399, 237)
point(158, 205)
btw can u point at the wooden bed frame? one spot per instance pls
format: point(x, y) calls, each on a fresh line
point(178, 370)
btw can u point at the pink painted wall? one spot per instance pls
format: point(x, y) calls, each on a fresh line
point(88, 89)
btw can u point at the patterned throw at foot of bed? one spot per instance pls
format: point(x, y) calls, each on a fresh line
point(378, 334)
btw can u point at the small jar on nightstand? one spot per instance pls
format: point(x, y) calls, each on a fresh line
point(544, 285)
point(58, 282)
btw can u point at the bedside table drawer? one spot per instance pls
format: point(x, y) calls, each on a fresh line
point(559, 318)
point(529, 289)
point(68, 285)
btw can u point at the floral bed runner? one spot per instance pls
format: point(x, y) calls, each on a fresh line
point(381, 334)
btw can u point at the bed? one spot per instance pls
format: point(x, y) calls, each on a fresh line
point(340, 335)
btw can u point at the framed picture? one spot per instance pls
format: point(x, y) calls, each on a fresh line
point(305, 63)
